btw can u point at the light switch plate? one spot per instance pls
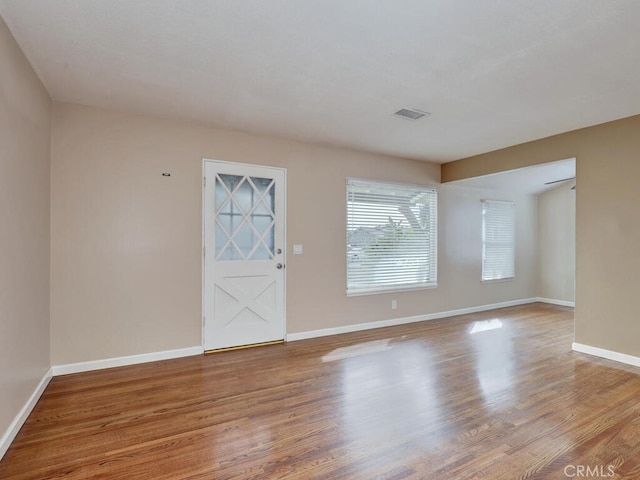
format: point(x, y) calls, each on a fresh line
point(297, 249)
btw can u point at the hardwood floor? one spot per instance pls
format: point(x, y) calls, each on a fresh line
point(494, 395)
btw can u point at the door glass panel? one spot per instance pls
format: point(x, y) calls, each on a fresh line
point(225, 250)
point(261, 223)
point(221, 196)
point(230, 181)
point(244, 196)
point(269, 240)
point(221, 240)
point(270, 198)
point(231, 253)
point(261, 253)
point(245, 239)
point(227, 208)
point(245, 218)
point(261, 210)
point(230, 223)
point(261, 183)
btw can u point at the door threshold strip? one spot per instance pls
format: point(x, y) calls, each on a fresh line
point(242, 347)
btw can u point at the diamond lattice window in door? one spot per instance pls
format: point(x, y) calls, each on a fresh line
point(245, 219)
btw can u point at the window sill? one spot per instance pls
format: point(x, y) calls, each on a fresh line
point(404, 288)
point(498, 280)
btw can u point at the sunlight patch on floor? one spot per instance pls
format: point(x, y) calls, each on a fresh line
point(485, 325)
point(357, 350)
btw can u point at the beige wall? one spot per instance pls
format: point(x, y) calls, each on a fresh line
point(126, 242)
point(549, 149)
point(460, 246)
point(24, 217)
point(556, 243)
point(607, 224)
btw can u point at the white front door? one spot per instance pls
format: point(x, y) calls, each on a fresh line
point(244, 234)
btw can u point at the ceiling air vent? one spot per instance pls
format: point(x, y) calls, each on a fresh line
point(411, 113)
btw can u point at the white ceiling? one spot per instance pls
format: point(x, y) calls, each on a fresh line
point(530, 180)
point(492, 73)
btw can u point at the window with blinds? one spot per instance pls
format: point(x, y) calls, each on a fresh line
point(392, 236)
point(498, 240)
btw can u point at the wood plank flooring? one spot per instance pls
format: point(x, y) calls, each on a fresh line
point(495, 395)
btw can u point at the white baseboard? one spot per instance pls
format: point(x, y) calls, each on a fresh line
point(608, 354)
point(563, 303)
point(292, 337)
point(122, 361)
point(18, 421)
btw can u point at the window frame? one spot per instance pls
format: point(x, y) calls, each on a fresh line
point(353, 288)
point(511, 243)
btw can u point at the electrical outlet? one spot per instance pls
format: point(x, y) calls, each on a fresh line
point(297, 249)
point(394, 304)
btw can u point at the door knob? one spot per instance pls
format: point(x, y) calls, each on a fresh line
point(279, 266)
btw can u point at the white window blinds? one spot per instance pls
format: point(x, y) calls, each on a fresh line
point(391, 236)
point(498, 240)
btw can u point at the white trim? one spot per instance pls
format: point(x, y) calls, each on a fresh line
point(128, 360)
point(284, 251)
point(368, 182)
point(15, 426)
point(498, 280)
point(608, 354)
point(292, 337)
point(563, 303)
point(203, 259)
point(404, 288)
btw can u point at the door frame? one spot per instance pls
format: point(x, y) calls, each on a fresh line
point(202, 249)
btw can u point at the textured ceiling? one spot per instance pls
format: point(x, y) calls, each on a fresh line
point(492, 73)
